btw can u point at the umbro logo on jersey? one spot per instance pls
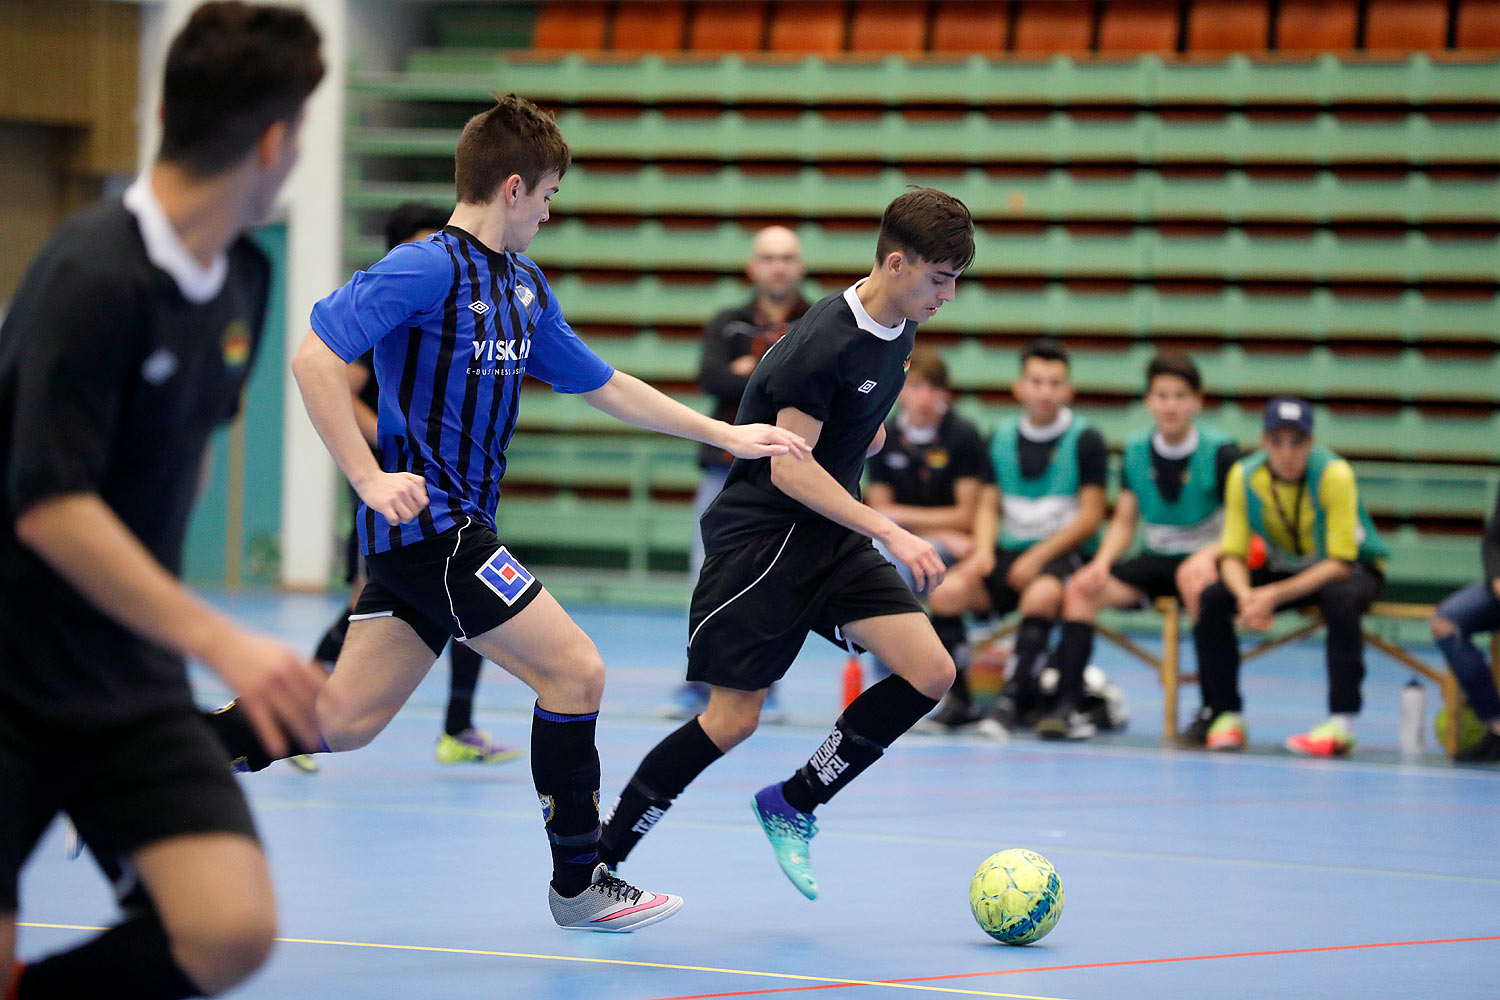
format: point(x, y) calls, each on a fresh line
point(479, 308)
point(159, 366)
point(867, 387)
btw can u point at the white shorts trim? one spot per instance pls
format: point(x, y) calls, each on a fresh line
point(742, 593)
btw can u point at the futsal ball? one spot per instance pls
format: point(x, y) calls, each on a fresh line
point(1016, 896)
point(1470, 729)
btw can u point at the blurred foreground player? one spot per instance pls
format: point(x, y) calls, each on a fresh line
point(129, 342)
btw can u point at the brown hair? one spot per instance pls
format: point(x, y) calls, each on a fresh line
point(929, 366)
point(1177, 364)
point(932, 225)
point(232, 72)
point(513, 137)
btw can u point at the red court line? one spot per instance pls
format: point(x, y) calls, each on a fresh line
point(1093, 965)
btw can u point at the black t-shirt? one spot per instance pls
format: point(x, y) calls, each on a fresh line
point(923, 475)
point(1171, 473)
point(1035, 456)
point(111, 383)
point(831, 366)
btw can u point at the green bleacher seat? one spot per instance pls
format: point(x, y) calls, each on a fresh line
point(1058, 137)
point(469, 74)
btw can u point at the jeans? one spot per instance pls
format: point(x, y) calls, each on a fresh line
point(1472, 609)
point(1343, 603)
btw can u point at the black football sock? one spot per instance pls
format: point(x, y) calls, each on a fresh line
point(565, 770)
point(870, 724)
point(1031, 644)
point(1074, 647)
point(668, 769)
point(332, 643)
point(131, 961)
point(465, 665)
point(232, 727)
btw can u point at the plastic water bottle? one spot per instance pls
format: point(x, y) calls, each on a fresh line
point(1413, 717)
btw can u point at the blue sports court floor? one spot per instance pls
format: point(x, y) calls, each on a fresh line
point(1186, 875)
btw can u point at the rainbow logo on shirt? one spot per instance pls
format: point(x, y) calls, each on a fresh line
point(236, 344)
point(906, 365)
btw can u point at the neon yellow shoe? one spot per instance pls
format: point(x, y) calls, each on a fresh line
point(473, 746)
point(1227, 732)
point(1331, 739)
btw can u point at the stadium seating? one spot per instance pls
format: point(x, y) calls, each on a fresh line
point(1300, 215)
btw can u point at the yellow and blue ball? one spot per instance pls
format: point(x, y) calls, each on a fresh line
point(1016, 896)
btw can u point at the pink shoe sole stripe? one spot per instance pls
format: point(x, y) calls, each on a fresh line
point(659, 900)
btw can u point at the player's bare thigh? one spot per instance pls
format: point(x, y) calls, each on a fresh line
point(213, 894)
point(907, 644)
point(546, 649)
point(382, 662)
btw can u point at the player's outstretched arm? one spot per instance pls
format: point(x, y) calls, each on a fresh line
point(323, 379)
point(86, 543)
point(807, 482)
point(627, 398)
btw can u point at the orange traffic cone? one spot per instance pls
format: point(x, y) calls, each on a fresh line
point(854, 680)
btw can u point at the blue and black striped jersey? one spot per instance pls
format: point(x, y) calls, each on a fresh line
point(454, 326)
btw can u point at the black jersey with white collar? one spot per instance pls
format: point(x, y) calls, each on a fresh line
point(837, 365)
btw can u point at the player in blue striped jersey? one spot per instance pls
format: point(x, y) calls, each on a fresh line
point(455, 321)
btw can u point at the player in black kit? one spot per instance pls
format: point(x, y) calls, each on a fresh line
point(128, 344)
point(789, 545)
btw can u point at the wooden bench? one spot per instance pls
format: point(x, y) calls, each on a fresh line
point(1167, 664)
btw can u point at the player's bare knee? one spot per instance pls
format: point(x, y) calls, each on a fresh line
point(343, 731)
point(935, 675)
point(1078, 606)
point(729, 726)
point(1442, 628)
point(580, 687)
point(223, 947)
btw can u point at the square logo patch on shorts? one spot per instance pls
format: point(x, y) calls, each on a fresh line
point(503, 574)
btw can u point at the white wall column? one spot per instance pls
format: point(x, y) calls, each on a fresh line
point(311, 206)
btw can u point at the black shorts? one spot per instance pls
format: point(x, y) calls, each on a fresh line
point(125, 786)
point(755, 604)
point(458, 585)
point(1153, 575)
point(1003, 597)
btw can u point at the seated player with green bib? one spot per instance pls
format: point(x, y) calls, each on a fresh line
point(1049, 467)
point(1172, 487)
point(1321, 550)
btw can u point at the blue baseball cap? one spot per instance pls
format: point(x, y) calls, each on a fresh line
point(1288, 411)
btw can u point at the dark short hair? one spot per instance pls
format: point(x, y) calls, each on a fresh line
point(410, 219)
point(1176, 364)
point(929, 366)
point(934, 226)
point(233, 71)
point(513, 137)
point(1045, 349)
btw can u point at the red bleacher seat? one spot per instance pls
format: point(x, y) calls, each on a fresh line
point(570, 24)
point(1478, 24)
point(808, 26)
point(1131, 27)
point(1219, 27)
point(889, 26)
point(728, 27)
point(1406, 25)
point(959, 26)
point(1316, 26)
point(1047, 26)
point(649, 27)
